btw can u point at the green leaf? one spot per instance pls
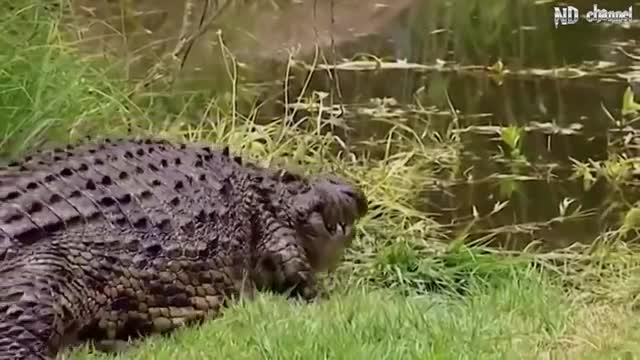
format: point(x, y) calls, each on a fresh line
point(629, 106)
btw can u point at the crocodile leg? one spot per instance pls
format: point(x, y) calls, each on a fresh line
point(42, 300)
point(282, 264)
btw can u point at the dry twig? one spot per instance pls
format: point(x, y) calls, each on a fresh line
point(171, 63)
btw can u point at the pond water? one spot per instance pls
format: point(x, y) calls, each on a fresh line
point(565, 114)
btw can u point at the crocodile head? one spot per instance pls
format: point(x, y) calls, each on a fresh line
point(325, 216)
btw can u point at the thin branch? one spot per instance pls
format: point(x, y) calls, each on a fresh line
point(171, 63)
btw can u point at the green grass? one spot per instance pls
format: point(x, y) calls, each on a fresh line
point(47, 91)
point(513, 320)
point(402, 292)
point(523, 316)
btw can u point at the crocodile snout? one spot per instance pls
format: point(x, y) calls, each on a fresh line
point(358, 198)
point(345, 203)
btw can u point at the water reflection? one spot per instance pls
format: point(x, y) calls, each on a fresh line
point(253, 30)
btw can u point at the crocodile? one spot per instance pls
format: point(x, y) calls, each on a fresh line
point(124, 238)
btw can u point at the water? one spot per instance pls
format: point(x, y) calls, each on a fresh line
point(562, 112)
